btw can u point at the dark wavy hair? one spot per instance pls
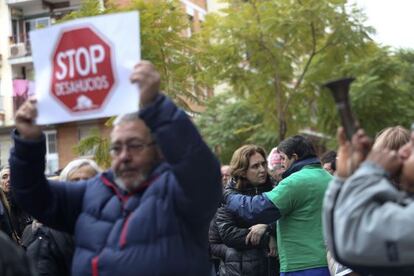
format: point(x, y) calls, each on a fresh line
point(240, 163)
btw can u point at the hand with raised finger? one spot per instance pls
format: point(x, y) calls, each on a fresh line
point(255, 234)
point(25, 120)
point(148, 79)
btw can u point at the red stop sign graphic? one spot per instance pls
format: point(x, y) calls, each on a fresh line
point(82, 75)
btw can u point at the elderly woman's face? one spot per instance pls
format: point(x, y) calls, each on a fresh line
point(82, 173)
point(5, 180)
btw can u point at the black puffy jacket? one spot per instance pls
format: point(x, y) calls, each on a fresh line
point(242, 259)
point(49, 250)
point(217, 247)
point(13, 261)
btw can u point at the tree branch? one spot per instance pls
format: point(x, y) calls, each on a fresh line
point(305, 69)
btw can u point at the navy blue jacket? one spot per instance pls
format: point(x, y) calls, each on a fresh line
point(161, 229)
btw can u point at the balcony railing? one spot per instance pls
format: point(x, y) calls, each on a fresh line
point(19, 46)
point(11, 2)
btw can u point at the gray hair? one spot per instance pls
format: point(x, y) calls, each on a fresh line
point(130, 117)
point(75, 165)
point(3, 170)
point(127, 117)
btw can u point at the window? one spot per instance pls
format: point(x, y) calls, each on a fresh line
point(51, 143)
point(85, 132)
point(52, 156)
point(17, 32)
point(5, 145)
point(36, 23)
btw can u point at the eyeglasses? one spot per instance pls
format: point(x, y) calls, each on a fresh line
point(132, 148)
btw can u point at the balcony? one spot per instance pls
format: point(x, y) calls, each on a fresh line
point(19, 8)
point(19, 2)
point(22, 4)
point(37, 3)
point(20, 50)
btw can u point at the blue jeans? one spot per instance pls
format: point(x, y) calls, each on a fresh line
point(319, 271)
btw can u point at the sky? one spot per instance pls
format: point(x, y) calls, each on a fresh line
point(392, 19)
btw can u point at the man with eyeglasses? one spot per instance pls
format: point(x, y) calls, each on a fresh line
point(148, 214)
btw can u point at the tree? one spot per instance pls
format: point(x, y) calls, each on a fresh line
point(381, 95)
point(267, 49)
point(228, 123)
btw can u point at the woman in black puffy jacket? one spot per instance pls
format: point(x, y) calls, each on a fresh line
point(250, 248)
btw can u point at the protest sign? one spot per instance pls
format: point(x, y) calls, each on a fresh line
point(82, 68)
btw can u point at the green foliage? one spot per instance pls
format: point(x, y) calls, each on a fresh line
point(88, 8)
point(98, 145)
point(267, 50)
point(381, 95)
point(228, 123)
point(277, 54)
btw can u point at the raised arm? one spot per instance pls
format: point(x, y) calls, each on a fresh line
point(55, 204)
point(253, 209)
point(366, 219)
point(194, 165)
point(370, 212)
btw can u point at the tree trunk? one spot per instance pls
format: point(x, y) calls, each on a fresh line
point(282, 126)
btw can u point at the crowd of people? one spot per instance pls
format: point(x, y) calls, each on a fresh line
point(167, 207)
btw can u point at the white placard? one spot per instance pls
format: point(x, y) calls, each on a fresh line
point(82, 68)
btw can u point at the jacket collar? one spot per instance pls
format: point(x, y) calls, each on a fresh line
point(250, 188)
point(298, 165)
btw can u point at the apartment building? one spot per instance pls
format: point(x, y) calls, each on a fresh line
point(17, 18)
